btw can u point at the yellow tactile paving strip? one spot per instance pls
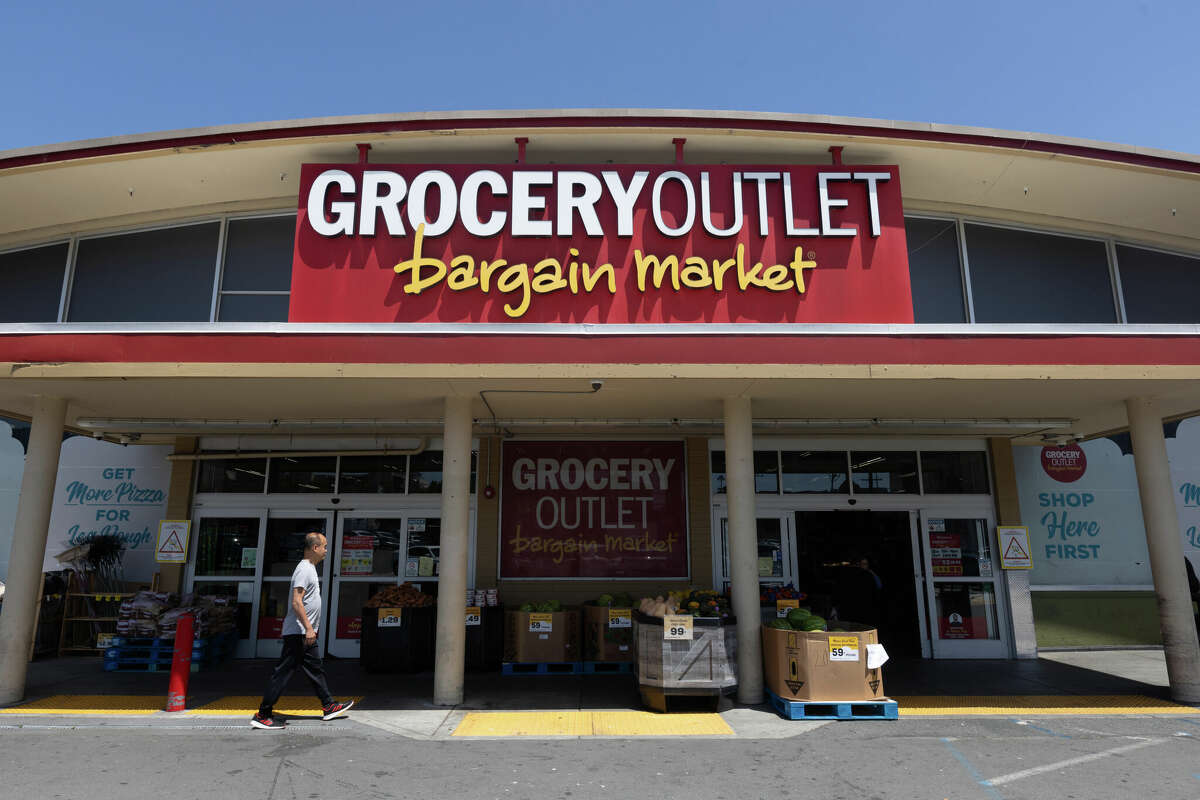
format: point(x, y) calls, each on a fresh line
point(107, 704)
point(1039, 704)
point(289, 705)
point(590, 723)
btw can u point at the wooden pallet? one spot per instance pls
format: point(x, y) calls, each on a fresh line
point(542, 668)
point(675, 701)
point(607, 667)
point(882, 708)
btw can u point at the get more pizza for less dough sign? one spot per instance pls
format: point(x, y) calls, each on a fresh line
point(619, 244)
point(593, 510)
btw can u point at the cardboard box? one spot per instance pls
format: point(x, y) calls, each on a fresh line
point(601, 640)
point(819, 665)
point(525, 646)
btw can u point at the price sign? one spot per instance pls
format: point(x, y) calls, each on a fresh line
point(541, 623)
point(391, 617)
point(677, 626)
point(620, 618)
point(105, 639)
point(782, 607)
point(843, 648)
point(473, 617)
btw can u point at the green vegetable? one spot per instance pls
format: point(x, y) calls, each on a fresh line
point(797, 616)
point(814, 623)
point(779, 624)
point(526, 607)
point(604, 600)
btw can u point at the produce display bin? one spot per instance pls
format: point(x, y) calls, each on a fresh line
point(821, 665)
point(407, 647)
point(603, 642)
point(485, 641)
point(558, 644)
point(708, 661)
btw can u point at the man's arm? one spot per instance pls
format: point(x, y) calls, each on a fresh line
point(310, 635)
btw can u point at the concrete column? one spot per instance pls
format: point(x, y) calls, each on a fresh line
point(1008, 512)
point(1166, 549)
point(743, 546)
point(29, 545)
point(452, 582)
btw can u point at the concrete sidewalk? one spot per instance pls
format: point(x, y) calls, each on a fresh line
point(78, 691)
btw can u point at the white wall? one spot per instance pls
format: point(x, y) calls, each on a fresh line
point(128, 496)
point(1109, 547)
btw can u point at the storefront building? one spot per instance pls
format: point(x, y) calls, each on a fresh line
point(569, 353)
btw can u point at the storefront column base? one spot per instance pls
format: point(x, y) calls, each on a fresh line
point(29, 545)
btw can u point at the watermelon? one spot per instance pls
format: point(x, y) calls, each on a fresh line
point(797, 616)
point(779, 624)
point(814, 623)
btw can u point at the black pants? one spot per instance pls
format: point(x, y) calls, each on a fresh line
point(295, 656)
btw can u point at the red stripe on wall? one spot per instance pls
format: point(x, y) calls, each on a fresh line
point(552, 349)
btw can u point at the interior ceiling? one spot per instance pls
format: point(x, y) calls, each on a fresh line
point(1092, 406)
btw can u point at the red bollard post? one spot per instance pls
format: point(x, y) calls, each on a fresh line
point(181, 664)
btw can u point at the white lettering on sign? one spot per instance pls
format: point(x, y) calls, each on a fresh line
point(631, 474)
point(577, 193)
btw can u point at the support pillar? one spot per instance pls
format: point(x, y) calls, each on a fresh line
point(743, 547)
point(450, 656)
point(1008, 512)
point(1166, 549)
point(29, 545)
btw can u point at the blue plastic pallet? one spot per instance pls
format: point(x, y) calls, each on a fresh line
point(848, 709)
point(158, 666)
point(542, 668)
point(607, 667)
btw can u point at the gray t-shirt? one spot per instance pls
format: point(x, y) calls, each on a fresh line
point(304, 577)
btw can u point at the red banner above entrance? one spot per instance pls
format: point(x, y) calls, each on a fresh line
point(593, 510)
point(619, 244)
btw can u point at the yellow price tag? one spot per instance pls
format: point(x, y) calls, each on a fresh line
point(620, 618)
point(391, 618)
point(843, 648)
point(541, 623)
point(473, 615)
point(677, 626)
point(782, 607)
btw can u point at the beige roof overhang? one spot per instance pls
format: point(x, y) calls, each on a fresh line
point(1136, 194)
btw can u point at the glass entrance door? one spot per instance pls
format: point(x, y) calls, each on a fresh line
point(776, 549)
point(282, 549)
point(963, 588)
point(225, 563)
point(375, 550)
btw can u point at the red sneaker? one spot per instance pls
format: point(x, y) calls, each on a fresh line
point(334, 710)
point(267, 723)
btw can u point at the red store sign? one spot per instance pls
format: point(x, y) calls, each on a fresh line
point(614, 244)
point(593, 510)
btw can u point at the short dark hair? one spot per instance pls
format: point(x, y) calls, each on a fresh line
point(313, 539)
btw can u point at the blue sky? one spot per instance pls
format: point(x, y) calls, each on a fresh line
point(1114, 71)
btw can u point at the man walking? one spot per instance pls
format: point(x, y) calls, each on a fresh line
point(300, 641)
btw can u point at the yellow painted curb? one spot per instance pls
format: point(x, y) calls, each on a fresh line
point(590, 723)
point(1040, 704)
point(246, 705)
point(108, 704)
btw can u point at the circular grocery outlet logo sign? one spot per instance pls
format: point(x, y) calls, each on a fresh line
point(1065, 464)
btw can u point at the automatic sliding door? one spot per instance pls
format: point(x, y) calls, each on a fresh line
point(282, 550)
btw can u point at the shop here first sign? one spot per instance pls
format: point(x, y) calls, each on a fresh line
point(613, 244)
point(593, 510)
